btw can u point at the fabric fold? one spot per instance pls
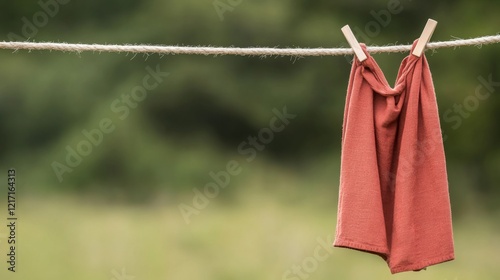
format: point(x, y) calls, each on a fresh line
point(393, 194)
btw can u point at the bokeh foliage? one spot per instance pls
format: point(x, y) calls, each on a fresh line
point(194, 121)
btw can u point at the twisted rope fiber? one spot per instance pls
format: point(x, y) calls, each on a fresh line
point(203, 50)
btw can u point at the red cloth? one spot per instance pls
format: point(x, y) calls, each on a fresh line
point(393, 197)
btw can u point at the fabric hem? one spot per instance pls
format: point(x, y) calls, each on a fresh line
point(361, 246)
point(422, 265)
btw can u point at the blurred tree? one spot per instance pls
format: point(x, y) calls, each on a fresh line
point(194, 121)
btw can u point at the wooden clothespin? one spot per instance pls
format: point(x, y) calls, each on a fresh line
point(425, 37)
point(358, 51)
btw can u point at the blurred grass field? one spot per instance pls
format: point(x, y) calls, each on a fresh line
point(254, 235)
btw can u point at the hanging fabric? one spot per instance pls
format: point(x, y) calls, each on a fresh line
point(393, 197)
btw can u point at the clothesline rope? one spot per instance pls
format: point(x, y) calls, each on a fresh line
point(207, 50)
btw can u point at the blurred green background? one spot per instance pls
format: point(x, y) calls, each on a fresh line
point(126, 207)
